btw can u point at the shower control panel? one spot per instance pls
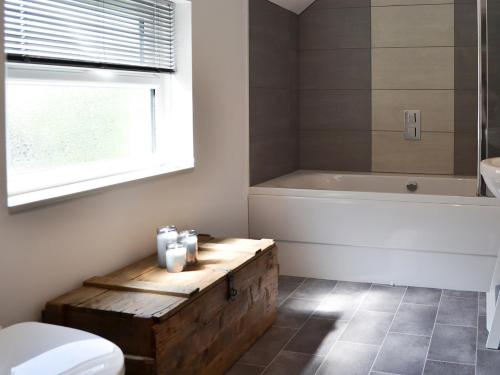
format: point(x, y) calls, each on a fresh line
point(412, 125)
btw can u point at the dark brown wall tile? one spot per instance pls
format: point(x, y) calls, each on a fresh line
point(335, 28)
point(336, 150)
point(466, 154)
point(465, 24)
point(335, 69)
point(272, 157)
point(273, 112)
point(465, 68)
point(465, 111)
point(328, 4)
point(335, 110)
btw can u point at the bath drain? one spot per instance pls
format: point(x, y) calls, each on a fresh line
point(412, 186)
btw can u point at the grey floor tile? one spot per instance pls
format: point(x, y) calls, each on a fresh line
point(415, 319)
point(351, 288)
point(317, 336)
point(459, 293)
point(488, 362)
point(422, 296)
point(453, 344)
point(349, 359)
point(343, 302)
point(482, 333)
point(287, 285)
point(288, 363)
point(294, 312)
point(458, 311)
point(368, 327)
point(445, 368)
point(266, 348)
point(383, 298)
point(402, 354)
point(316, 289)
point(242, 369)
point(482, 303)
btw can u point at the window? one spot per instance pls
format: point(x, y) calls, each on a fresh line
point(89, 95)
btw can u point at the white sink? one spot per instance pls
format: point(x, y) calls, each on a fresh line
point(490, 170)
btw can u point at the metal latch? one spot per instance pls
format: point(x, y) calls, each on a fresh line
point(232, 291)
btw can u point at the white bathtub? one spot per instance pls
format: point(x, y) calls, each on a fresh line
point(369, 227)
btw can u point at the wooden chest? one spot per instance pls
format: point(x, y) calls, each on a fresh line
point(199, 321)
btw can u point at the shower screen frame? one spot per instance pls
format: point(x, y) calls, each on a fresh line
point(482, 81)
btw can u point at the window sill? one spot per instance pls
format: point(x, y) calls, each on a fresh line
point(26, 201)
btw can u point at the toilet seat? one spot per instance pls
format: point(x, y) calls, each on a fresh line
point(44, 349)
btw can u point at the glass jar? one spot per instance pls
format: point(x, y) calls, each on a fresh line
point(190, 239)
point(175, 256)
point(165, 236)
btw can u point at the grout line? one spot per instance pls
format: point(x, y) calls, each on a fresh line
point(303, 324)
point(454, 325)
point(420, 304)
point(432, 333)
point(388, 331)
point(293, 291)
point(308, 354)
point(453, 363)
point(367, 292)
point(411, 5)
point(469, 298)
point(409, 334)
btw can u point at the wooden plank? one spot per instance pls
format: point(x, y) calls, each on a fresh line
point(237, 245)
point(141, 286)
point(131, 303)
point(136, 365)
point(134, 335)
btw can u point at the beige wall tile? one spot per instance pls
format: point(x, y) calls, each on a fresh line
point(413, 26)
point(413, 68)
point(437, 108)
point(408, 2)
point(432, 155)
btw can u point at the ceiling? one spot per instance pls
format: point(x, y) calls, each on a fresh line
point(296, 6)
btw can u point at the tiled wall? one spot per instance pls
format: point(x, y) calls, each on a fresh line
point(424, 57)
point(335, 84)
point(361, 63)
point(413, 55)
point(274, 107)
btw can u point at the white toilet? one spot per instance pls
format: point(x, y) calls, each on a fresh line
point(44, 349)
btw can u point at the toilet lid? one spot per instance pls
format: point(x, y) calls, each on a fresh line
point(44, 349)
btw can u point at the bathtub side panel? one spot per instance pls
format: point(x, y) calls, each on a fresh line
point(415, 226)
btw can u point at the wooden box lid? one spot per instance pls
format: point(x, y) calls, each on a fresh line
point(143, 290)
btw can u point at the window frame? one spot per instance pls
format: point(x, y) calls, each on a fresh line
point(162, 162)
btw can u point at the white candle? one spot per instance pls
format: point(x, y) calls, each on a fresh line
point(175, 258)
point(164, 237)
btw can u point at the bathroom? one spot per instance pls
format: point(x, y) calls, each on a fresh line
point(347, 131)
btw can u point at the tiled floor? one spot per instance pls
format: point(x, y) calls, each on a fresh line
point(343, 328)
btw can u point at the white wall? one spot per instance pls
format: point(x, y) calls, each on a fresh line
point(50, 250)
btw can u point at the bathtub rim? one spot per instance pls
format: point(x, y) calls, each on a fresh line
point(376, 196)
